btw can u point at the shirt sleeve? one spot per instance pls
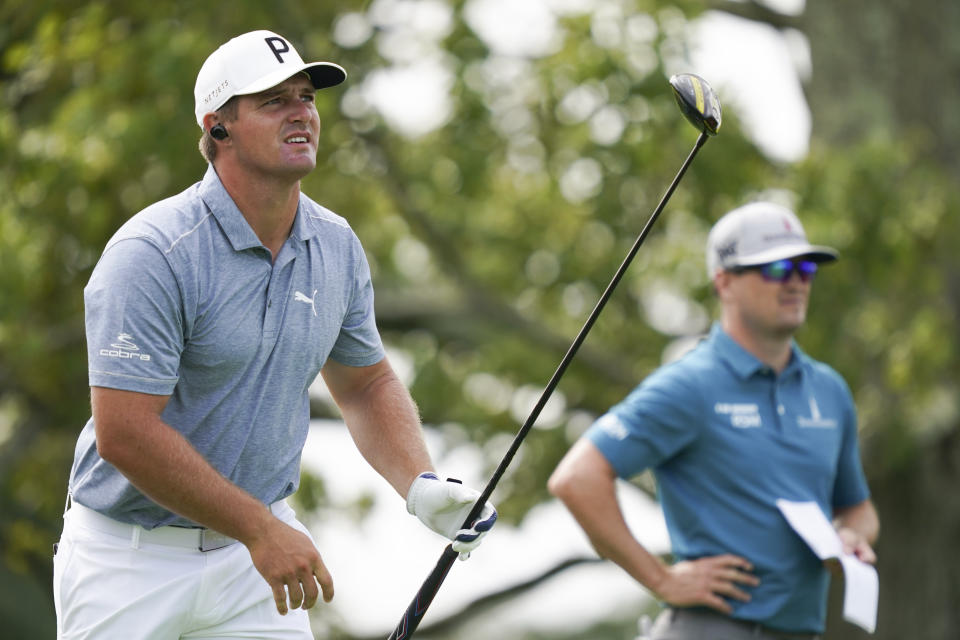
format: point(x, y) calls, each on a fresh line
point(850, 487)
point(656, 421)
point(358, 343)
point(134, 321)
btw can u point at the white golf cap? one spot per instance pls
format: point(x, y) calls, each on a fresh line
point(759, 233)
point(251, 63)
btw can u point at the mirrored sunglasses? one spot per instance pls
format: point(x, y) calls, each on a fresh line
point(783, 270)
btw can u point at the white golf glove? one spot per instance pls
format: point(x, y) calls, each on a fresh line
point(443, 506)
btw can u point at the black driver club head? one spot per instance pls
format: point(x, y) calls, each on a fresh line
point(697, 101)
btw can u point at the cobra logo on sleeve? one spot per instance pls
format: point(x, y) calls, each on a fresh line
point(124, 348)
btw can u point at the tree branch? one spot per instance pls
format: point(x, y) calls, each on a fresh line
point(757, 12)
point(477, 300)
point(445, 626)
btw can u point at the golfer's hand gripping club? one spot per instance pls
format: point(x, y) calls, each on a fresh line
point(445, 507)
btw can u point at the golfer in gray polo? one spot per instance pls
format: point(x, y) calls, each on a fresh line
point(208, 316)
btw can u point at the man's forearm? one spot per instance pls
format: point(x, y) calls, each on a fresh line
point(385, 425)
point(160, 462)
point(586, 484)
point(600, 518)
point(861, 518)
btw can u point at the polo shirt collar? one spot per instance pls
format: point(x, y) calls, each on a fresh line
point(234, 225)
point(231, 220)
point(744, 363)
point(303, 229)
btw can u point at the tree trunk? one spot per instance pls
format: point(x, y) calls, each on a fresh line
point(918, 561)
point(886, 67)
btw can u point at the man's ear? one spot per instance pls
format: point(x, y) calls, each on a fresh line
point(210, 120)
point(721, 282)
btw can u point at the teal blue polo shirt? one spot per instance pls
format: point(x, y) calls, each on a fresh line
point(726, 437)
point(186, 301)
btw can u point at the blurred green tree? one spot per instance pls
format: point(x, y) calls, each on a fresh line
point(492, 235)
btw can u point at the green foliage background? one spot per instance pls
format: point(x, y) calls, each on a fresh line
point(484, 268)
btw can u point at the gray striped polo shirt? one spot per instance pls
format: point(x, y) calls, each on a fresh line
point(186, 301)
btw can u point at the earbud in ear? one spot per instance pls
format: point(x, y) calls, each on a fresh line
point(219, 132)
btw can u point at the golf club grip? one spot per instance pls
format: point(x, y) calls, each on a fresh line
point(429, 588)
point(418, 607)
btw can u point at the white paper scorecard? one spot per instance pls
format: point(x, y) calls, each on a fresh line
point(861, 582)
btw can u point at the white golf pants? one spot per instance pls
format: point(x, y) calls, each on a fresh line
point(118, 581)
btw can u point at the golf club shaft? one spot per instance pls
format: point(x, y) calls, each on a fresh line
point(418, 607)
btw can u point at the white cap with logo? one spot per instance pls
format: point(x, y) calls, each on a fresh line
point(251, 63)
point(758, 233)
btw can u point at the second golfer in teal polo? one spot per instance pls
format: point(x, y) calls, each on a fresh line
point(744, 419)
